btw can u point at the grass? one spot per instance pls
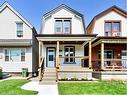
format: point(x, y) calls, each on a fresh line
point(94, 88)
point(13, 87)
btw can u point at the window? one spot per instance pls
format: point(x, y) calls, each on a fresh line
point(67, 26)
point(108, 54)
point(112, 27)
point(15, 54)
point(6, 55)
point(58, 26)
point(22, 54)
point(116, 26)
point(69, 51)
point(19, 29)
point(63, 26)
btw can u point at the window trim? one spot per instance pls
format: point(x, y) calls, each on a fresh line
point(63, 19)
point(9, 54)
point(112, 23)
point(74, 55)
point(17, 29)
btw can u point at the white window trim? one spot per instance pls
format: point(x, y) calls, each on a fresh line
point(62, 30)
point(9, 55)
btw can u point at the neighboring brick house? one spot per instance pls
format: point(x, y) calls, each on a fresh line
point(109, 49)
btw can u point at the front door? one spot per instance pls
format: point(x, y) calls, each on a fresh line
point(51, 57)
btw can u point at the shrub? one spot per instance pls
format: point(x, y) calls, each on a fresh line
point(74, 79)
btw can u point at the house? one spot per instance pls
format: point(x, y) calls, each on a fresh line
point(69, 50)
point(109, 49)
point(61, 45)
point(18, 44)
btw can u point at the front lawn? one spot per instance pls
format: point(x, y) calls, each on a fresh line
point(94, 88)
point(13, 87)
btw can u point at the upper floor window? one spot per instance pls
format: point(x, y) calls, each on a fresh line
point(63, 26)
point(112, 28)
point(19, 29)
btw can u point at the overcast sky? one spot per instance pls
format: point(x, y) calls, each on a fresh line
point(33, 10)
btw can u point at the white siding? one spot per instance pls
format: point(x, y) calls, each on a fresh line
point(8, 26)
point(76, 22)
point(79, 51)
point(99, 24)
point(8, 30)
point(16, 66)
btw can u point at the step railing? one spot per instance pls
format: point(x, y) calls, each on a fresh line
point(41, 68)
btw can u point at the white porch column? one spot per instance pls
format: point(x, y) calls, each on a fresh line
point(90, 63)
point(102, 56)
point(57, 54)
point(57, 60)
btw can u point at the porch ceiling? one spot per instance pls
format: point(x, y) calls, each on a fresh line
point(109, 40)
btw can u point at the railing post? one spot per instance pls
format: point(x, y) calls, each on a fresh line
point(102, 56)
point(90, 55)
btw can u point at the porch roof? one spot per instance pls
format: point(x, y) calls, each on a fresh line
point(15, 42)
point(65, 37)
point(110, 40)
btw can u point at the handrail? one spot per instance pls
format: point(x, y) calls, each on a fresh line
point(41, 68)
point(80, 57)
point(113, 64)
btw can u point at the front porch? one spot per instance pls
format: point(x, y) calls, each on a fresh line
point(66, 55)
point(109, 58)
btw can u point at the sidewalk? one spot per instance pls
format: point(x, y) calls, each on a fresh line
point(42, 89)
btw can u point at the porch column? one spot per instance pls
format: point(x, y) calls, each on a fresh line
point(40, 55)
point(57, 60)
point(57, 54)
point(102, 56)
point(90, 55)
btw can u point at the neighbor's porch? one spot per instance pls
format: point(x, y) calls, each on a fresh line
point(109, 54)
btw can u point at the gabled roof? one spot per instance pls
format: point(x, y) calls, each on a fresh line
point(6, 4)
point(63, 6)
point(113, 8)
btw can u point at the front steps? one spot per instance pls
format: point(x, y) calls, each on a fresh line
point(49, 76)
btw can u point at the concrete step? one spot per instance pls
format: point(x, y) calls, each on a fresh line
point(49, 75)
point(50, 70)
point(48, 79)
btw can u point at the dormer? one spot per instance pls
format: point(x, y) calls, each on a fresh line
point(111, 22)
point(63, 20)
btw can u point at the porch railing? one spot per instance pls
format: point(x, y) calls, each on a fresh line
point(41, 68)
point(76, 60)
point(110, 64)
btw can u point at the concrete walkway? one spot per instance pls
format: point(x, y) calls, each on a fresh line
point(42, 89)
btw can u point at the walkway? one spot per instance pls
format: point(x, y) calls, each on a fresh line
point(42, 89)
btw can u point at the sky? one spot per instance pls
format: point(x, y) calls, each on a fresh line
point(33, 10)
